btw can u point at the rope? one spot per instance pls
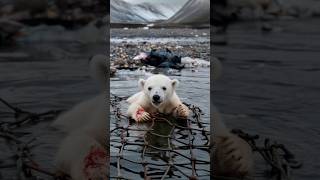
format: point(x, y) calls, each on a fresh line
point(24, 164)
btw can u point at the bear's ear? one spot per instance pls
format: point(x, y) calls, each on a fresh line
point(141, 83)
point(174, 83)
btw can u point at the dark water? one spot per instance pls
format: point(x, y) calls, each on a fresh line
point(270, 86)
point(37, 78)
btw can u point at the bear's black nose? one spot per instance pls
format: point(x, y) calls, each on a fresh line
point(156, 98)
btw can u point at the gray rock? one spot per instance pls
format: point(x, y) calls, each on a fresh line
point(9, 27)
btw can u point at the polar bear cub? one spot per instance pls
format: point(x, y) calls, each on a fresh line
point(83, 154)
point(157, 95)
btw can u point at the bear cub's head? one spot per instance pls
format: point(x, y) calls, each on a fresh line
point(158, 88)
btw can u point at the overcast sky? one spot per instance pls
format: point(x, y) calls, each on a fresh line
point(180, 2)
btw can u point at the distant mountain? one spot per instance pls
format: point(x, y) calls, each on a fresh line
point(193, 12)
point(124, 12)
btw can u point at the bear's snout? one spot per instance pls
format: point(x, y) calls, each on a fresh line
point(156, 98)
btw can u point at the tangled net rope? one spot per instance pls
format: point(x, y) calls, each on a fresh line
point(176, 143)
point(280, 158)
point(22, 150)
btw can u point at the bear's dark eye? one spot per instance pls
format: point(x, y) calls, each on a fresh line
point(164, 88)
point(149, 88)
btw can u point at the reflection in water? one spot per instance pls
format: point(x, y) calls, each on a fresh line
point(159, 138)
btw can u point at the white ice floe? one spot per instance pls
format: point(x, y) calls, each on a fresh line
point(194, 62)
point(140, 72)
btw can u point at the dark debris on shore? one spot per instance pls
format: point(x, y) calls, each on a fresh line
point(121, 54)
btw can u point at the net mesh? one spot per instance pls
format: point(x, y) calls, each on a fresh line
point(163, 148)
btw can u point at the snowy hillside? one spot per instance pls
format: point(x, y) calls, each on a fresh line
point(124, 12)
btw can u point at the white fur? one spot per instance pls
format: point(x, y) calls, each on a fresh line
point(154, 86)
point(233, 156)
point(85, 125)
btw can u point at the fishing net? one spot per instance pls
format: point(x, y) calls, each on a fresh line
point(163, 148)
point(20, 145)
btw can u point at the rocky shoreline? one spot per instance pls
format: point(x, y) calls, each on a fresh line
point(122, 52)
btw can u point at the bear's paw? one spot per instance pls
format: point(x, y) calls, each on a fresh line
point(235, 156)
point(142, 115)
point(182, 111)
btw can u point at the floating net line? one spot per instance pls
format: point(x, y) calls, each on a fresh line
point(177, 155)
point(22, 156)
